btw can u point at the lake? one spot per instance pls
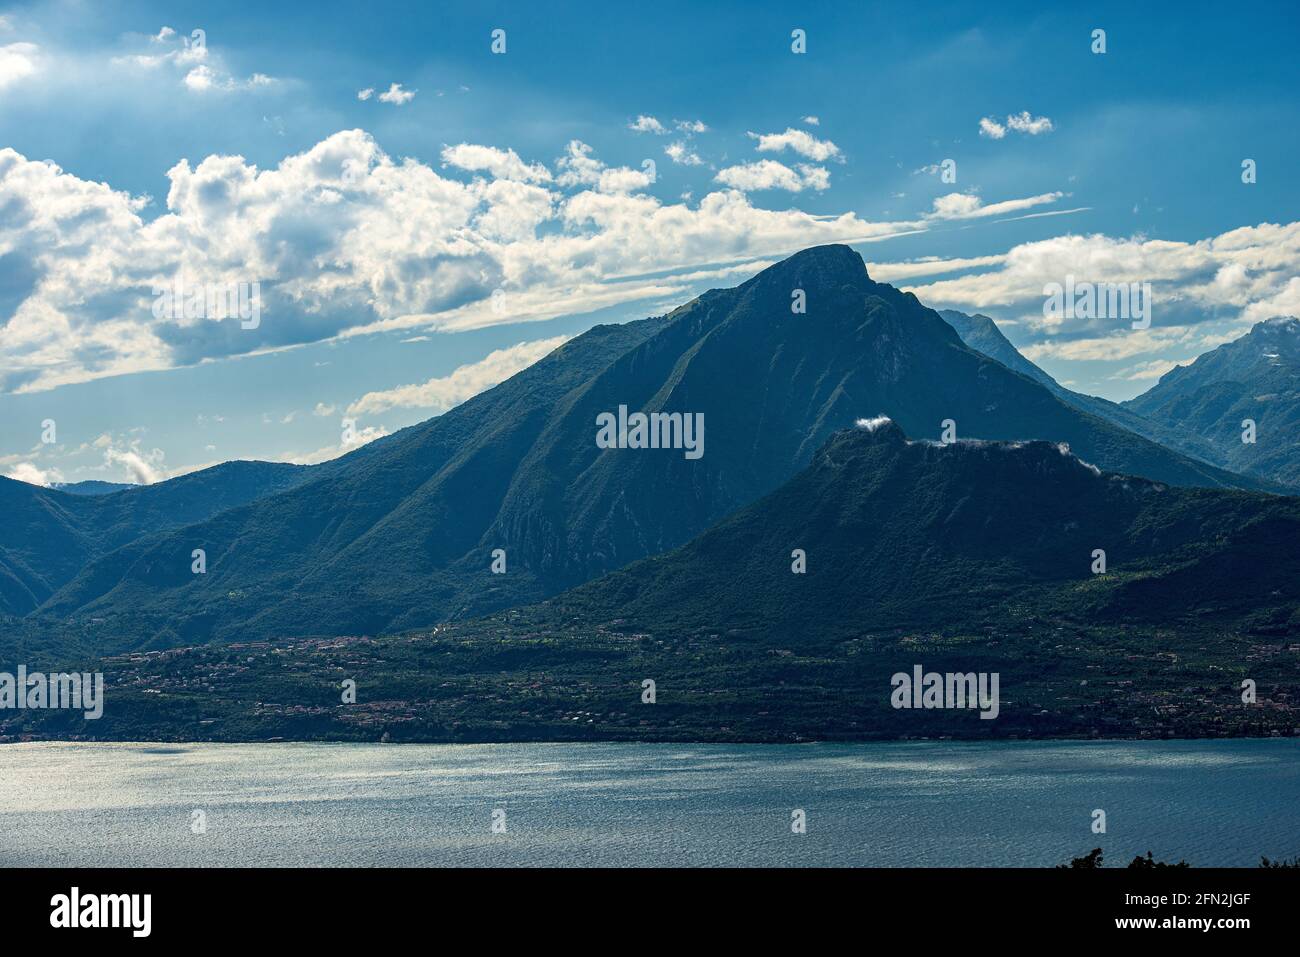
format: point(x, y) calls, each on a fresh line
point(892, 804)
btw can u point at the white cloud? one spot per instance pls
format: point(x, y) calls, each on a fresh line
point(365, 94)
point(354, 439)
point(1144, 371)
point(1020, 122)
point(502, 164)
point(202, 78)
point(894, 272)
point(145, 467)
point(464, 383)
point(969, 206)
point(680, 153)
point(769, 174)
point(345, 240)
point(17, 62)
point(647, 124)
point(580, 168)
point(199, 69)
point(812, 121)
point(397, 96)
point(690, 127)
point(323, 410)
point(1112, 347)
point(800, 141)
point(1023, 123)
point(31, 474)
point(1203, 293)
point(873, 423)
point(815, 177)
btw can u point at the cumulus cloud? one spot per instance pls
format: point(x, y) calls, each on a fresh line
point(345, 240)
point(690, 127)
point(1032, 125)
point(465, 382)
point(30, 473)
point(579, 167)
point(647, 124)
point(396, 95)
point(365, 94)
point(501, 164)
point(680, 153)
point(812, 121)
point(1203, 293)
point(769, 174)
point(800, 141)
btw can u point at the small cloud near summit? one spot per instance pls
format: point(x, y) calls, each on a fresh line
point(871, 425)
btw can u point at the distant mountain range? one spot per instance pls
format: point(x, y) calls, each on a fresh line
point(1197, 409)
point(49, 535)
point(1256, 377)
point(401, 534)
point(982, 334)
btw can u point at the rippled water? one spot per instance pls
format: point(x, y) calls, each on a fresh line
point(934, 804)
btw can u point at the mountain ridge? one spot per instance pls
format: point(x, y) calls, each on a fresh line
point(403, 537)
point(1257, 377)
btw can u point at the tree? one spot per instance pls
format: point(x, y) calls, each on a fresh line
point(1090, 861)
point(1150, 863)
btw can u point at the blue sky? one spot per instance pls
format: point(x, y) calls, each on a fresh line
point(415, 244)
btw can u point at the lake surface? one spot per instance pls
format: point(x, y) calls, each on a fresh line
point(895, 804)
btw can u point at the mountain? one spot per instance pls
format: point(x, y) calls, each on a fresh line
point(974, 558)
point(1255, 377)
point(91, 487)
point(404, 538)
point(983, 335)
point(49, 535)
point(916, 535)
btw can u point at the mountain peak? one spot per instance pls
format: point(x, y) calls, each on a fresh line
point(831, 265)
point(1279, 330)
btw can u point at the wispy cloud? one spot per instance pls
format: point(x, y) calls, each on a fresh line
point(442, 393)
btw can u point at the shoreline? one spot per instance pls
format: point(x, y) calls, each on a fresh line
point(681, 743)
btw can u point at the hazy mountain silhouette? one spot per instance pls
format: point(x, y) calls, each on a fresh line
point(1255, 377)
point(49, 535)
point(91, 487)
point(983, 335)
